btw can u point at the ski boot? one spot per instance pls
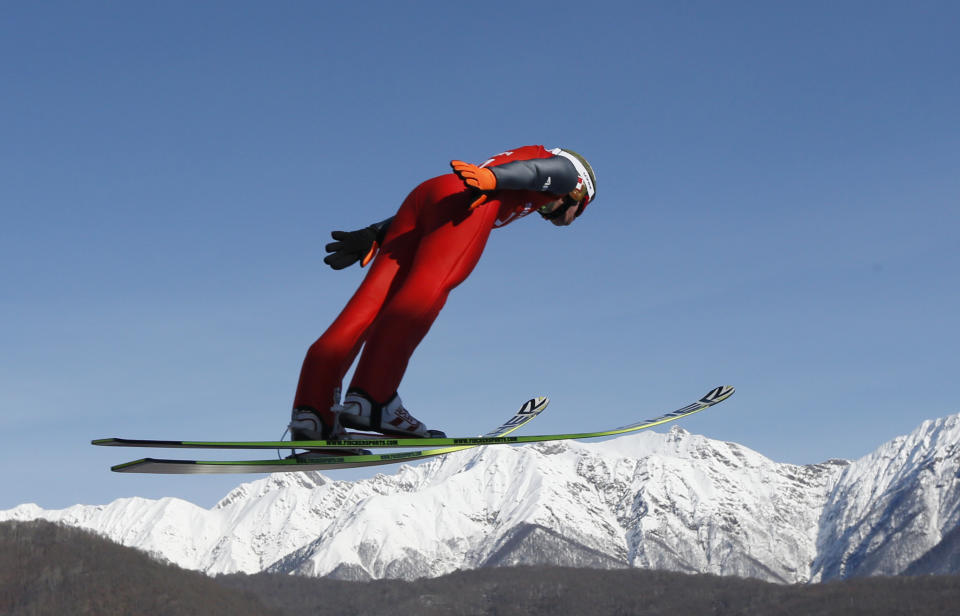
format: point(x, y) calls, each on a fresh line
point(360, 412)
point(308, 424)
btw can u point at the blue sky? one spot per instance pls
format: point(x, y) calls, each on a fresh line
point(777, 210)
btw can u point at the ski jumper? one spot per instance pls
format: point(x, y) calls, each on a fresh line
point(432, 244)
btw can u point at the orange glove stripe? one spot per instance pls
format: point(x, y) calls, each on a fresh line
point(370, 255)
point(480, 201)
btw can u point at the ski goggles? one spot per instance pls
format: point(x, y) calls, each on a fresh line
point(578, 198)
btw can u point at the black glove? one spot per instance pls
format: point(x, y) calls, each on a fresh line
point(351, 246)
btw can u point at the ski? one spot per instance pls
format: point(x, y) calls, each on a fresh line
point(497, 437)
point(316, 460)
point(302, 463)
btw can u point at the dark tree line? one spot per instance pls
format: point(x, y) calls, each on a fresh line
point(50, 569)
point(535, 591)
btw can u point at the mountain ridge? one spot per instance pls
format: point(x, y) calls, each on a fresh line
point(673, 501)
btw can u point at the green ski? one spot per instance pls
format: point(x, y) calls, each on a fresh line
point(497, 437)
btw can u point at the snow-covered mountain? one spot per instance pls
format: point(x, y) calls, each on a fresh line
point(673, 501)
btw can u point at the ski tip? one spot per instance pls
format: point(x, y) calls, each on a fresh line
point(534, 405)
point(718, 394)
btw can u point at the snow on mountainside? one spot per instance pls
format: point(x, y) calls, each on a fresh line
point(672, 501)
point(891, 507)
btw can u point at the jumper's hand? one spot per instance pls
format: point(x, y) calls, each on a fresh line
point(350, 247)
point(473, 176)
point(478, 178)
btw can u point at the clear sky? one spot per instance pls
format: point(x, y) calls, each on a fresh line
point(777, 209)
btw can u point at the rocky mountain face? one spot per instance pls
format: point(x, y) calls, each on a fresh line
point(673, 501)
point(894, 506)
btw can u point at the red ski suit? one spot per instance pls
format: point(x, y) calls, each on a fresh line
point(431, 246)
